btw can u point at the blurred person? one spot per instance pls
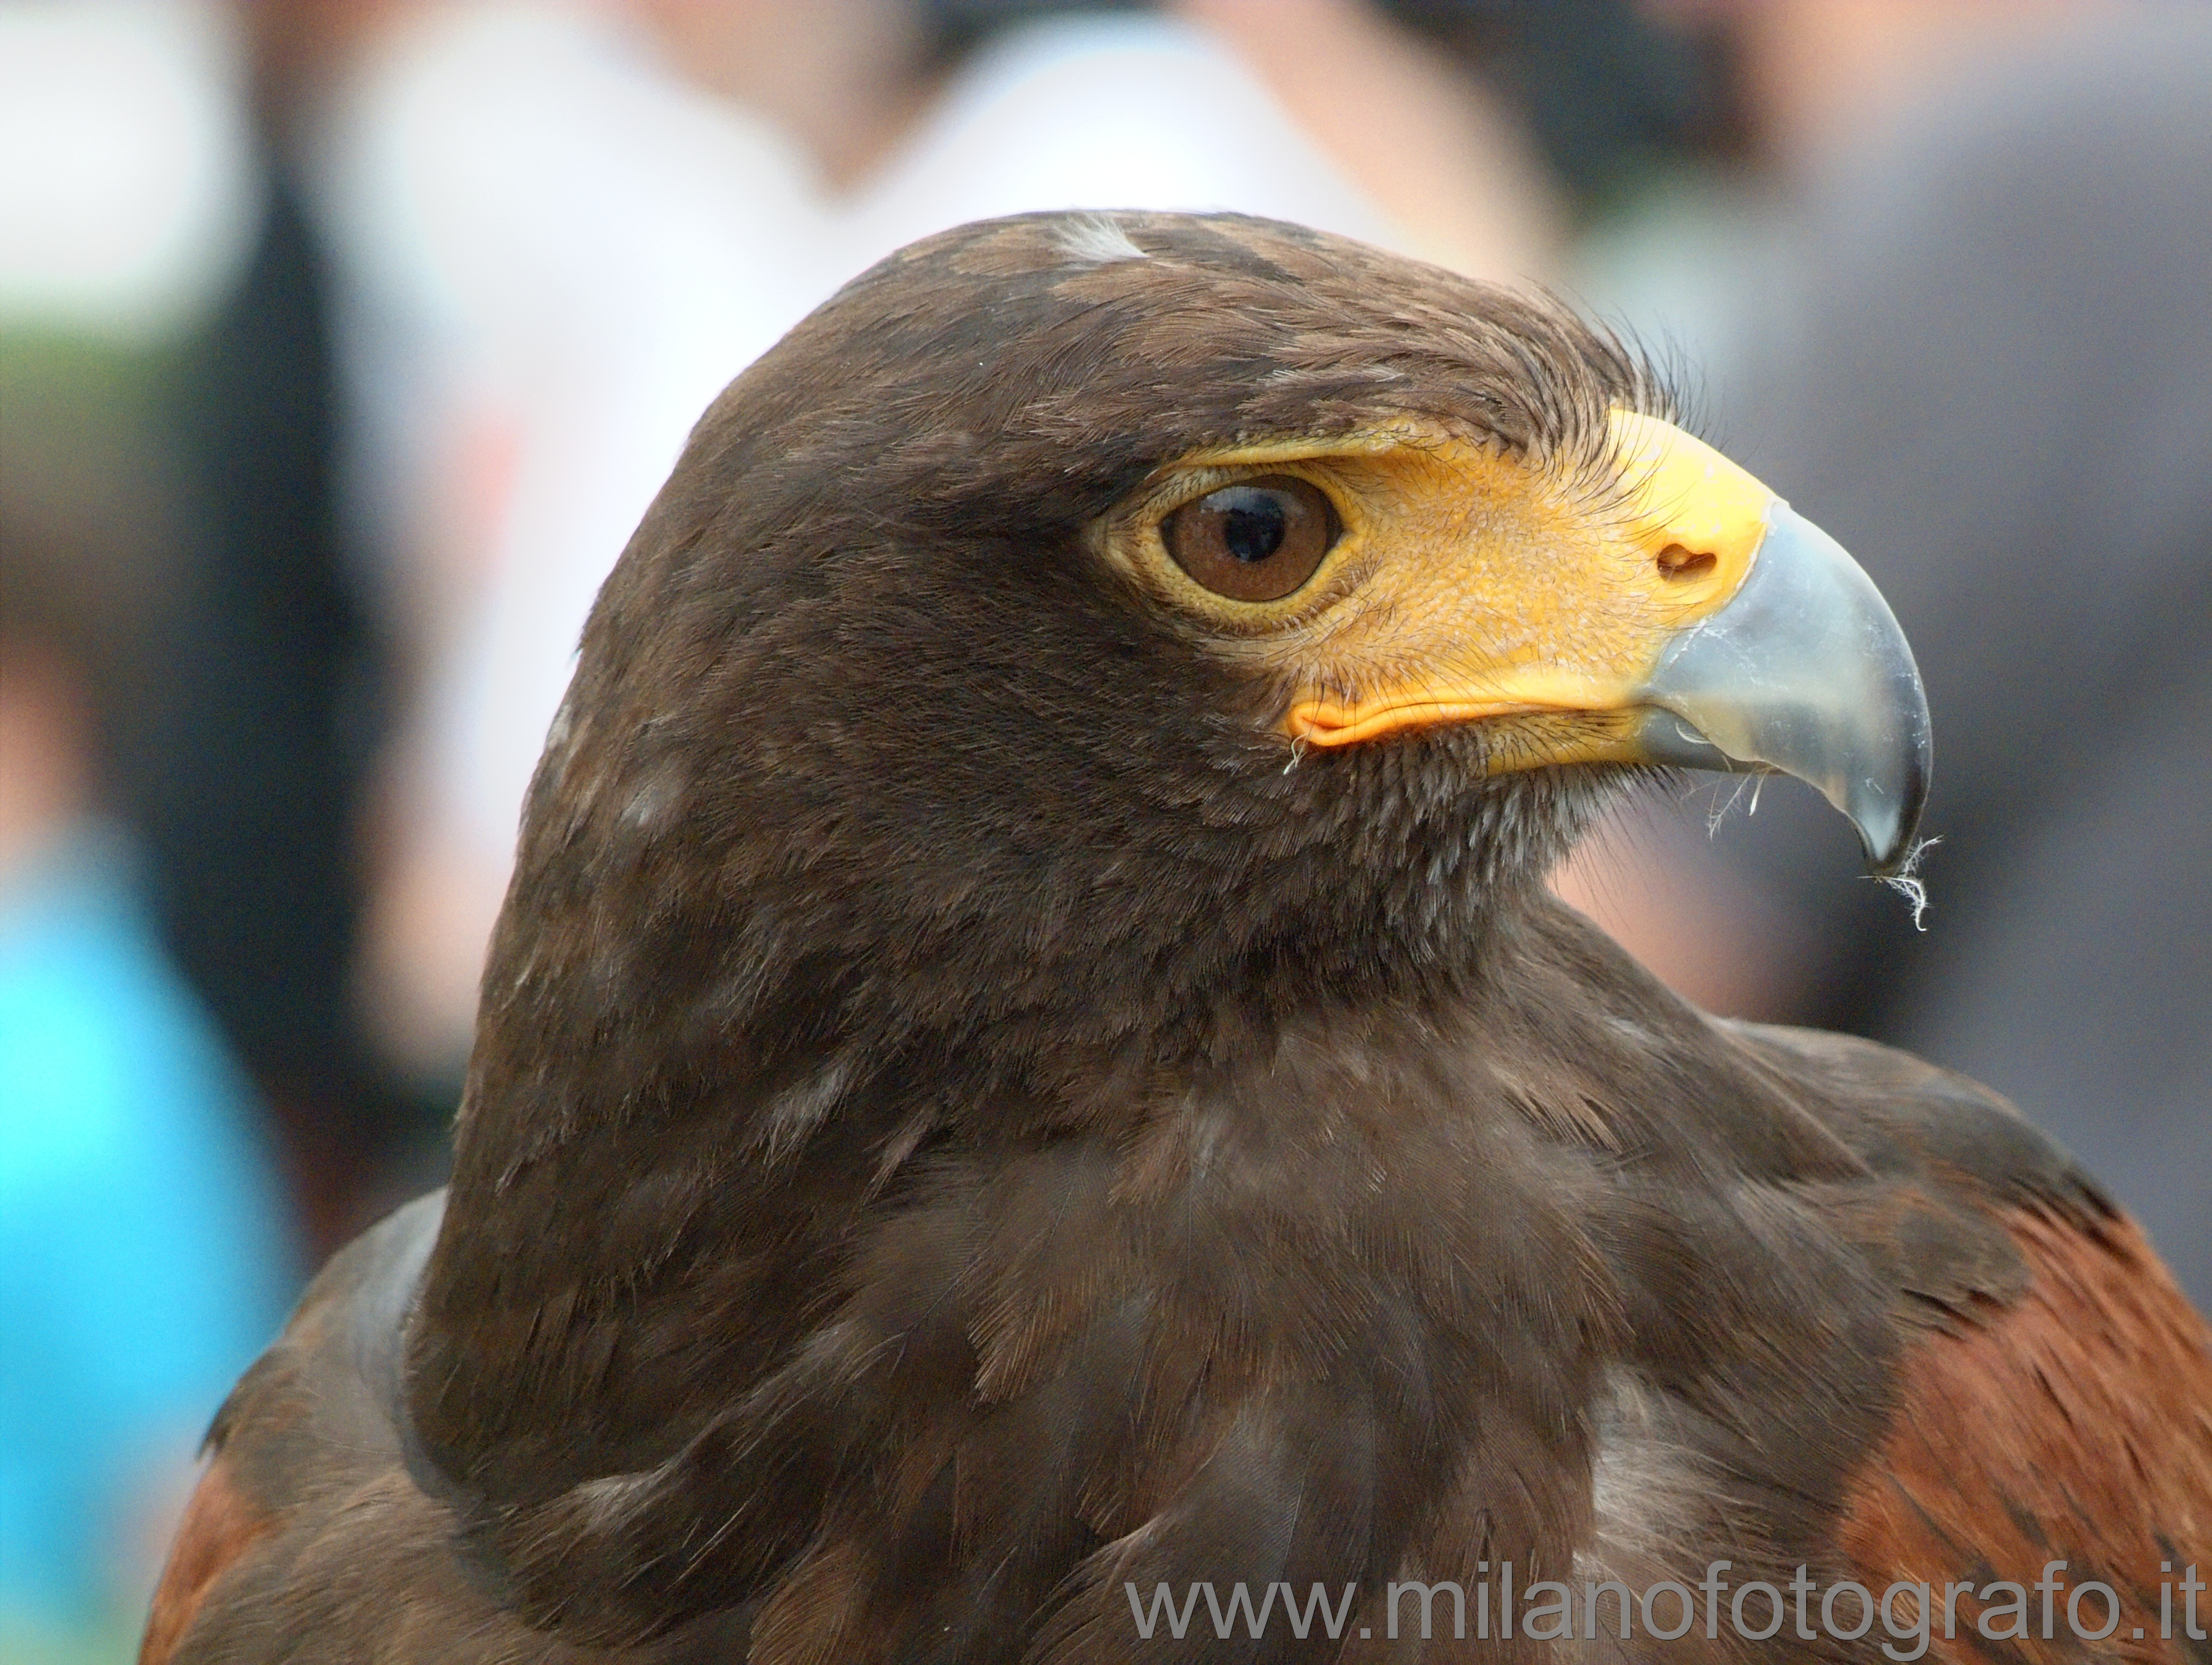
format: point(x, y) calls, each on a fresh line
point(277, 671)
point(563, 235)
point(249, 792)
point(145, 1250)
point(1984, 359)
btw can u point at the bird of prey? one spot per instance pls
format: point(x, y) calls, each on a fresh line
point(1028, 1064)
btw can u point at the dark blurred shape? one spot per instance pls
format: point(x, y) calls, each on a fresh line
point(1996, 389)
point(250, 802)
point(274, 676)
point(957, 27)
point(244, 771)
point(1607, 94)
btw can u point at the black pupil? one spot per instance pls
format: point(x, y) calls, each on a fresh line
point(1253, 522)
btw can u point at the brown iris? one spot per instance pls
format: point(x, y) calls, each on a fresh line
point(1255, 541)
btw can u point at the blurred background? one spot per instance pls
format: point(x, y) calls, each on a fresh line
point(343, 342)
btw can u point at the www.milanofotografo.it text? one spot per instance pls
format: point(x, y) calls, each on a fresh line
point(1548, 1610)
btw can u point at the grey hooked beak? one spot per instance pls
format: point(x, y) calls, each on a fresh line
point(1804, 670)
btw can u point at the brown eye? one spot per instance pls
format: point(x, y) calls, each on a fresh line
point(1256, 541)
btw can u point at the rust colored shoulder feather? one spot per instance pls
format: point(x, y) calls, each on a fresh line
point(2051, 1407)
point(220, 1525)
point(2072, 1425)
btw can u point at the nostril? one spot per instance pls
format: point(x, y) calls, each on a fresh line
point(1678, 563)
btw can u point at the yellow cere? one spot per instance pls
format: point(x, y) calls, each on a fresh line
point(1469, 586)
point(1685, 496)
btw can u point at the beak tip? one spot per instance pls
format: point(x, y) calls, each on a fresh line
point(1884, 807)
point(1889, 851)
